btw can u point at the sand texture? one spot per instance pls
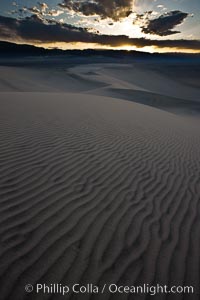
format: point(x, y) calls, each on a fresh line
point(95, 187)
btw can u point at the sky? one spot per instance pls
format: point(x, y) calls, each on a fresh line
point(145, 25)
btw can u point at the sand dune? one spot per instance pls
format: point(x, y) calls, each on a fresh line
point(24, 79)
point(96, 190)
point(143, 77)
point(144, 83)
point(175, 105)
point(99, 178)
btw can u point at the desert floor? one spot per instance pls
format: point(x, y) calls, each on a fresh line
point(99, 177)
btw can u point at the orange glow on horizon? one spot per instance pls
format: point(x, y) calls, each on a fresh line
point(84, 46)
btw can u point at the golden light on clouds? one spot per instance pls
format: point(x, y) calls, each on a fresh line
point(84, 46)
point(126, 24)
point(123, 27)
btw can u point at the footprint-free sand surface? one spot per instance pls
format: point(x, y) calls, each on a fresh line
point(99, 180)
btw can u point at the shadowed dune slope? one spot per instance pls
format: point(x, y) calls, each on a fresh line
point(171, 104)
point(95, 190)
point(153, 85)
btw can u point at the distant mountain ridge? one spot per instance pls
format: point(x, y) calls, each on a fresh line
point(7, 48)
point(16, 50)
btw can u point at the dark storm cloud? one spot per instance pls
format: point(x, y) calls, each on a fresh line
point(164, 24)
point(34, 29)
point(114, 9)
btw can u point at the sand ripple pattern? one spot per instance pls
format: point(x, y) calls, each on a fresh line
point(96, 190)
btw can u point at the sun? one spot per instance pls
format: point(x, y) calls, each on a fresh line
point(123, 27)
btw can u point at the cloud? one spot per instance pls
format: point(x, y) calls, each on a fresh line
point(54, 13)
point(41, 10)
point(34, 10)
point(164, 24)
point(36, 30)
point(114, 9)
point(43, 6)
point(142, 19)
